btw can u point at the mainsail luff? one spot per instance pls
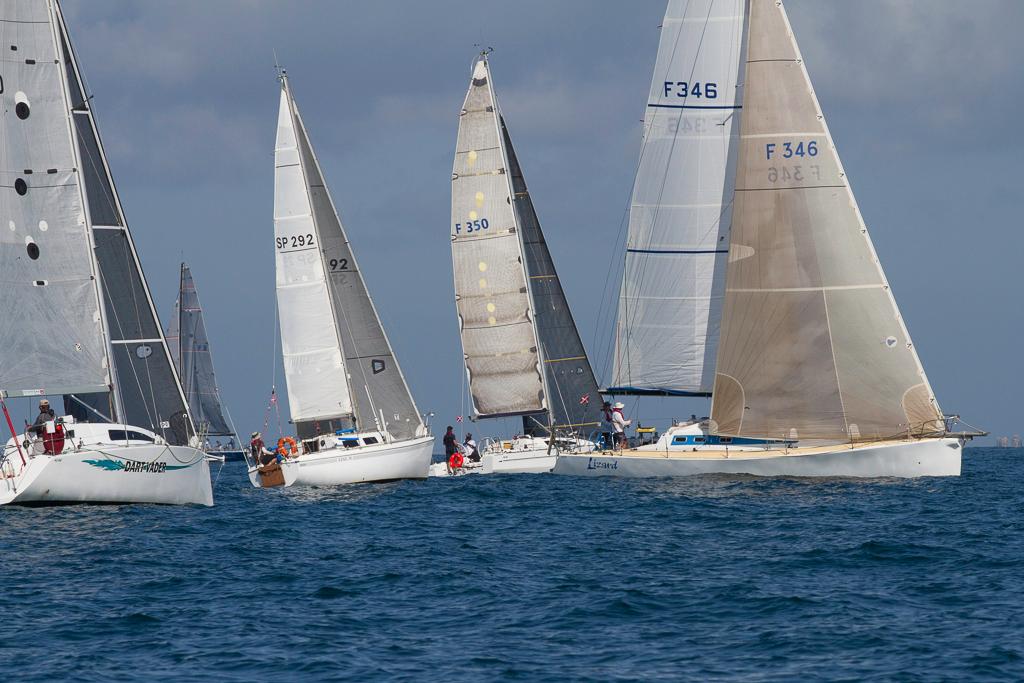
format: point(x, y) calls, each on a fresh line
point(492, 298)
point(573, 394)
point(674, 271)
point(813, 345)
point(146, 387)
point(315, 372)
point(195, 360)
point(376, 383)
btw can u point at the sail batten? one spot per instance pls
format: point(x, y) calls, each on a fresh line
point(812, 345)
point(674, 262)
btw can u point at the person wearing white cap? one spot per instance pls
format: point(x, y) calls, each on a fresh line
point(260, 453)
point(45, 415)
point(619, 424)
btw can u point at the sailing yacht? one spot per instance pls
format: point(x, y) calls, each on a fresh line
point(193, 358)
point(79, 321)
point(355, 417)
point(522, 351)
point(750, 275)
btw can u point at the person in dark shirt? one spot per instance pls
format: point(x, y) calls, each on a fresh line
point(451, 444)
point(45, 415)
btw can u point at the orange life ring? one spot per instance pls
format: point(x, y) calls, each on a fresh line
point(455, 461)
point(286, 446)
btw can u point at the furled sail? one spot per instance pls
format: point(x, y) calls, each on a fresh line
point(90, 235)
point(499, 342)
point(813, 345)
point(674, 275)
point(51, 339)
point(572, 389)
point(378, 388)
point(314, 369)
point(190, 348)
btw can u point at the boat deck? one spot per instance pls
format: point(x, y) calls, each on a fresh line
point(722, 453)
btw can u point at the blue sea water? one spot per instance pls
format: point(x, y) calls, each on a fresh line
point(529, 577)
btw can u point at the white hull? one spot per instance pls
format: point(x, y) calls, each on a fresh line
point(150, 473)
point(924, 458)
point(536, 461)
point(336, 466)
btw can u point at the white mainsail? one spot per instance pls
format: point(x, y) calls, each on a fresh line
point(51, 340)
point(674, 276)
point(493, 301)
point(314, 369)
point(812, 343)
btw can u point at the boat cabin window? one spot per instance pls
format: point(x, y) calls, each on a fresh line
point(369, 440)
point(698, 439)
point(726, 439)
point(350, 443)
point(128, 435)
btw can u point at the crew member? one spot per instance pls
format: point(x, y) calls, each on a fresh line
point(619, 424)
point(471, 451)
point(260, 453)
point(45, 415)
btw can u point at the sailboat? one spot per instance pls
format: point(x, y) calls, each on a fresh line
point(354, 414)
point(193, 358)
point(750, 275)
point(79, 321)
point(522, 351)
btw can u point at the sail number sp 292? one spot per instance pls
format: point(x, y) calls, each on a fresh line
point(295, 241)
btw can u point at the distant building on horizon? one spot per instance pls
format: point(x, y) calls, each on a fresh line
point(1015, 442)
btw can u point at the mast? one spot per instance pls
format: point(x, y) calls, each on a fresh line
point(813, 345)
point(680, 214)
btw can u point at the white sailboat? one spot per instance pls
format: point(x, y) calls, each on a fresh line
point(812, 372)
point(355, 417)
point(193, 358)
point(79, 319)
point(522, 351)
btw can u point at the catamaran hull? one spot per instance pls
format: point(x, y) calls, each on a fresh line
point(171, 475)
point(337, 466)
point(925, 458)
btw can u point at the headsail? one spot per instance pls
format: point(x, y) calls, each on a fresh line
point(670, 300)
point(813, 345)
point(499, 342)
point(572, 389)
point(190, 347)
point(75, 187)
point(356, 377)
point(51, 340)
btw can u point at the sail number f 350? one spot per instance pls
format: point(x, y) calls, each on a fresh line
point(472, 226)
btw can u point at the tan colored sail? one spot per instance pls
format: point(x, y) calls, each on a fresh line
point(812, 343)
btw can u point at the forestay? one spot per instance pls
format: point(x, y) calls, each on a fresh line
point(495, 317)
point(378, 389)
point(813, 345)
point(190, 348)
point(315, 372)
point(674, 275)
point(51, 339)
point(572, 389)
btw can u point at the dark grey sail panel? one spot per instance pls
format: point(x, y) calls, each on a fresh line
point(375, 379)
point(573, 394)
point(195, 360)
point(145, 379)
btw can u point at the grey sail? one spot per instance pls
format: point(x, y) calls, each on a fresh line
point(190, 348)
point(51, 339)
point(812, 343)
point(573, 394)
point(377, 387)
point(493, 302)
point(146, 389)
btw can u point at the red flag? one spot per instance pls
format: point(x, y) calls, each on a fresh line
point(458, 418)
point(584, 399)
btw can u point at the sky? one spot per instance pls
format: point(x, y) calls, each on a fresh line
point(921, 98)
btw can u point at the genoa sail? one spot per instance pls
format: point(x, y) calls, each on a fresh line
point(673, 282)
point(573, 392)
point(496, 317)
point(190, 348)
point(52, 338)
point(812, 343)
point(378, 388)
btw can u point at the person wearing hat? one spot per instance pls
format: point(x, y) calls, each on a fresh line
point(619, 424)
point(45, 415)
point(472, 453)
point(259, 451)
